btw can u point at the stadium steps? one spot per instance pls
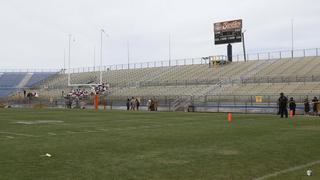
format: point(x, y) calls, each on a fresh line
point(25, 80)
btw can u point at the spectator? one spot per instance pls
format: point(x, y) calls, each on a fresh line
point(24, 93)
point(306, 106)
point(137, 104)
point(283, 105)
point(315, 103)
point(292, 106)
point(133, 104)
point(149, 105)
point(128, 104)
point(156, 105)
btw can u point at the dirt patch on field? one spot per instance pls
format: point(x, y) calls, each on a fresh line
point(39, 122)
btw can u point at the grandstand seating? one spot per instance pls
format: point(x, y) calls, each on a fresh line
point(12, 81)
point(37, 77)
point(264, 77)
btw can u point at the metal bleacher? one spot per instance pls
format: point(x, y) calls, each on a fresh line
point(292, 76)
point(13, 81)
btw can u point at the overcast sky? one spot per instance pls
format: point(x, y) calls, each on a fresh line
point(34, 33)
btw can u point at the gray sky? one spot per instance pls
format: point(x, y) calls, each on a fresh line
point(34, 33)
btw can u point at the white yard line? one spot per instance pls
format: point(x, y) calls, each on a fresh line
point(18, 134)
point(287, 170)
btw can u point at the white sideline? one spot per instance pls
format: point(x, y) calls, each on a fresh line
point(287, 170)
point(18, 134)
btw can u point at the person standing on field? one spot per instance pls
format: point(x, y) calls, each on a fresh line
point(306, 106)
point(315, 102)
point(128, 104)
point(292, 106)
point(283, 105)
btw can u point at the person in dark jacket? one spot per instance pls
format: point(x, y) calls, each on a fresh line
point(306, 106)
point(315, 102)
point(128, 104)
point(283, 105)
point(137, 104)
point(292, 106)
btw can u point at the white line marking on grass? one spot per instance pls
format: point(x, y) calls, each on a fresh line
point(52, 134)
point(287, 170)
point(39, 122)
point(71, 132)
point(10, 137)
point(18, 134)
point(91, 131)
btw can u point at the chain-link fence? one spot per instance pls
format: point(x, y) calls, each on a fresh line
point(208, 103)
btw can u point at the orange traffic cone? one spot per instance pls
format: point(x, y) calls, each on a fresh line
point(229, 117)
point(291, 114)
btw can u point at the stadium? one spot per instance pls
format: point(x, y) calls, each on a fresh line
point(185, 83)
point(208, 117)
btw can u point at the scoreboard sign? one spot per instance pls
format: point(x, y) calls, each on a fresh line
point(228, 32)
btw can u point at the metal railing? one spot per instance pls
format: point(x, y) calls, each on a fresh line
point(211, 103)
point(298, 53)
point(186, 61)
point(12, 70)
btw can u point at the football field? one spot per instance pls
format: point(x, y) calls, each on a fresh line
point(84, 145)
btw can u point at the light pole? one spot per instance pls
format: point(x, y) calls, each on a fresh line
point(64, 60)
point(128, 51)
point(69, 59)
point(94, 59)
point(102, 32)
point(169, 49)
point(292, 42)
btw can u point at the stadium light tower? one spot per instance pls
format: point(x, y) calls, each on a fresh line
point(64, 60)
point(128, 51)
point(94, 58)
point(292, 36)
point(102, 31)
point(169, 49)
point(69, 59)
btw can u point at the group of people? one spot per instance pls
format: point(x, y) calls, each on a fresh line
point(30, 94)
point(133, 104)
point(283, 106)
point(152, 105)
point(100, 89)
point(80, 93)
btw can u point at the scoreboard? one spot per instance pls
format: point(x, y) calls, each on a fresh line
point(228, 32)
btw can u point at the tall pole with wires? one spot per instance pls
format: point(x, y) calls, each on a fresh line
point(169, 49)
point(292, 37)
point(94, 58)
point(69, 59)
point(64, 60)
point(102, 31)
point(128, 51)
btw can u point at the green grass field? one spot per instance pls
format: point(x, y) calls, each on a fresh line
point(155, 145)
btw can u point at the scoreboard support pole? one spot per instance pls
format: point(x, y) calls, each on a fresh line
point(244, 48)
point(229, 52)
